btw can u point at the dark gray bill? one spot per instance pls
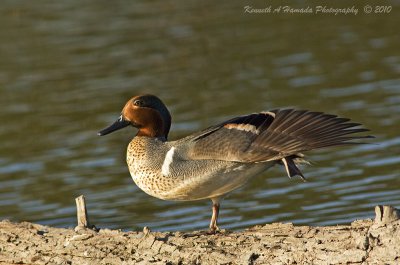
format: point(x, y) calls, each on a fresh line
point(118, 124)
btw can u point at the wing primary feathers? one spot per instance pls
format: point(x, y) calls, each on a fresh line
point(274, 135)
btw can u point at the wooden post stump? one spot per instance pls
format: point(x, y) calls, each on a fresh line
point(82, 215)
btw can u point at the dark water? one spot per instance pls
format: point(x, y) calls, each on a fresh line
point(67, 68)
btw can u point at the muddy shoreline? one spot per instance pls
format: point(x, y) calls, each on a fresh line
point(363, 242)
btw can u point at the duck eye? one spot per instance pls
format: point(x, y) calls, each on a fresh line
point(138, 102)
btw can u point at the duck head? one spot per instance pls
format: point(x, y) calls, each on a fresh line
point(145, 112)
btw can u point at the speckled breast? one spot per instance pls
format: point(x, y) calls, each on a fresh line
point(144, 158)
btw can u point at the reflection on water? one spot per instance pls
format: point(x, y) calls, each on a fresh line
point(67, 68)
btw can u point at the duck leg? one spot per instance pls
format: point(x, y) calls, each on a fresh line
point(214, 218)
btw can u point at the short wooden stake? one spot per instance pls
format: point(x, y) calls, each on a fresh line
point(385, 214)
point(81, 212)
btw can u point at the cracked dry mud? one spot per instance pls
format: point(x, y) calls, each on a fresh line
point(362, 242)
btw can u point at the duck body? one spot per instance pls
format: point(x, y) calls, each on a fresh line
point(164, 170)
point(219, 159)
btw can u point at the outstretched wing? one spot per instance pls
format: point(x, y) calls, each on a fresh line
point(273, 135)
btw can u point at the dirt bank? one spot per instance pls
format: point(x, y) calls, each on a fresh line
point(362, 242)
